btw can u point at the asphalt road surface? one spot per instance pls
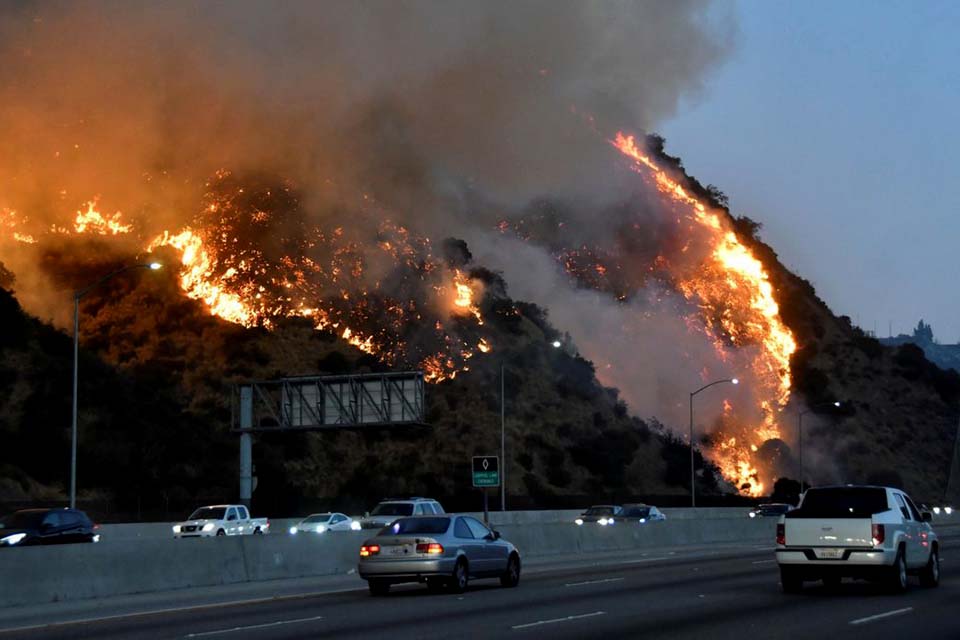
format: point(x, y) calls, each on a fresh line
point(730, 593)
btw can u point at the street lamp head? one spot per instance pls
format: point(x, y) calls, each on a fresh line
point(735, 381)
point(155, 265)
point(556, 344)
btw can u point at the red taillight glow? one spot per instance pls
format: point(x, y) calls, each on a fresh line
point(369, 550)
point(433, 547)
point(879, 535)
point(781, 534)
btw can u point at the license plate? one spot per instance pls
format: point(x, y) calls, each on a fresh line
point(398, 550)
point(830, 554)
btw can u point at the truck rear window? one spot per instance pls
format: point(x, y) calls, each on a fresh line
point(841, 502)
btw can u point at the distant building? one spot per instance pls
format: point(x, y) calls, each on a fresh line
point(945, 356)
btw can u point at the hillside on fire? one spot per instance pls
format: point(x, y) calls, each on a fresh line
point(157, 370)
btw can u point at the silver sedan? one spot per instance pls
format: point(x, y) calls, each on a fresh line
point(443, 551)
point(323, 522)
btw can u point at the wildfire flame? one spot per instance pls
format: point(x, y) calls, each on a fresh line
point(737, 301)
point(92, 221)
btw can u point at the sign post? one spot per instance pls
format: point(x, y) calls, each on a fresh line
point(486, 473)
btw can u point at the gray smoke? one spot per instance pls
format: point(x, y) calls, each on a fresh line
point(452, 114)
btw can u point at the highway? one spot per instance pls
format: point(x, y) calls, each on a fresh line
point(728, 592)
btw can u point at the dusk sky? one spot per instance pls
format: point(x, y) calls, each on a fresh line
point(835, 125)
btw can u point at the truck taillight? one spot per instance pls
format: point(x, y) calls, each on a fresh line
point(781, 534)
point(433, 548)
point(879, 535)
point(369, 550)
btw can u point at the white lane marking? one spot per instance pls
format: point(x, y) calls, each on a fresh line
point(763, 561)
point(254, 626)
point(580, 584)
point(193, 607)
point(880, 616)
point(638, 561)
point(556, 620)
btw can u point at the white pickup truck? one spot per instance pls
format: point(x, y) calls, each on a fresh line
point(873, 533)
point(220, 520)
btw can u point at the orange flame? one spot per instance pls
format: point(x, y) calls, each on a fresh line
point(92, 221)
point(733, 279)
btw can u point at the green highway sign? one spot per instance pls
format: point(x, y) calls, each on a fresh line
point(486, 471)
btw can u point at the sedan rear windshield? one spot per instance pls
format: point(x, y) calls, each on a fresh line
point(317, 518)
point(417, 525)
point(208, 513)
point(841, 502)
point(23, 520)
point(393, 509)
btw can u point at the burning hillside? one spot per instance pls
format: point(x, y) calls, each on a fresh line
point(306, 163)
point(250, 254)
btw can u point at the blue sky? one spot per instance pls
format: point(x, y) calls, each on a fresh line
point(835, 125)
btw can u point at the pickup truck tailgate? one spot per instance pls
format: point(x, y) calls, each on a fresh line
point(828, 532)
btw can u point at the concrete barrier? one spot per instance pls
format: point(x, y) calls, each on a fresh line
point(36, 575)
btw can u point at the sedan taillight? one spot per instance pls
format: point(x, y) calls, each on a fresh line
point(369, 550)
point(781, 534)
point(878, 533)
point(433, 548)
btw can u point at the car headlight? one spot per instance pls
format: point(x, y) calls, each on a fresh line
point(642, 520)
point(948, 510)
point(753, 514)
point(293, 531)
point(13, 539)
point(209, 526)
point(602, 522)
point(96, 537)
point(936, 510)
point(321, 528)
point(579, 521)
point(176, 528)
point(354, 525)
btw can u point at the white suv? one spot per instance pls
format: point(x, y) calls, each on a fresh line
point(391, 509)
point(874, 533)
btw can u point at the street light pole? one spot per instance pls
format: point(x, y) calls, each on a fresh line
point(693, 484)
point(556, 344)
point(800, 432)
point(76, 364)
point(503, 446)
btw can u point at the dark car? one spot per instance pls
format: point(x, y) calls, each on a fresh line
point(640, 513)
point(47, 526)
point(602, 514)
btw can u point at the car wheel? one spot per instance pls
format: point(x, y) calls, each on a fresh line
point(257, 532)
point(790, 580)
point(460, 578)
point(221, 532)
point(930, 574)
point(897, 580)
point(378, 587)
point(511, 576)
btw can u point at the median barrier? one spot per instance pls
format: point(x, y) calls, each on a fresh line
point(36, 575)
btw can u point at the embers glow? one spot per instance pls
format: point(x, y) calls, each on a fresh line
point(736, 300)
